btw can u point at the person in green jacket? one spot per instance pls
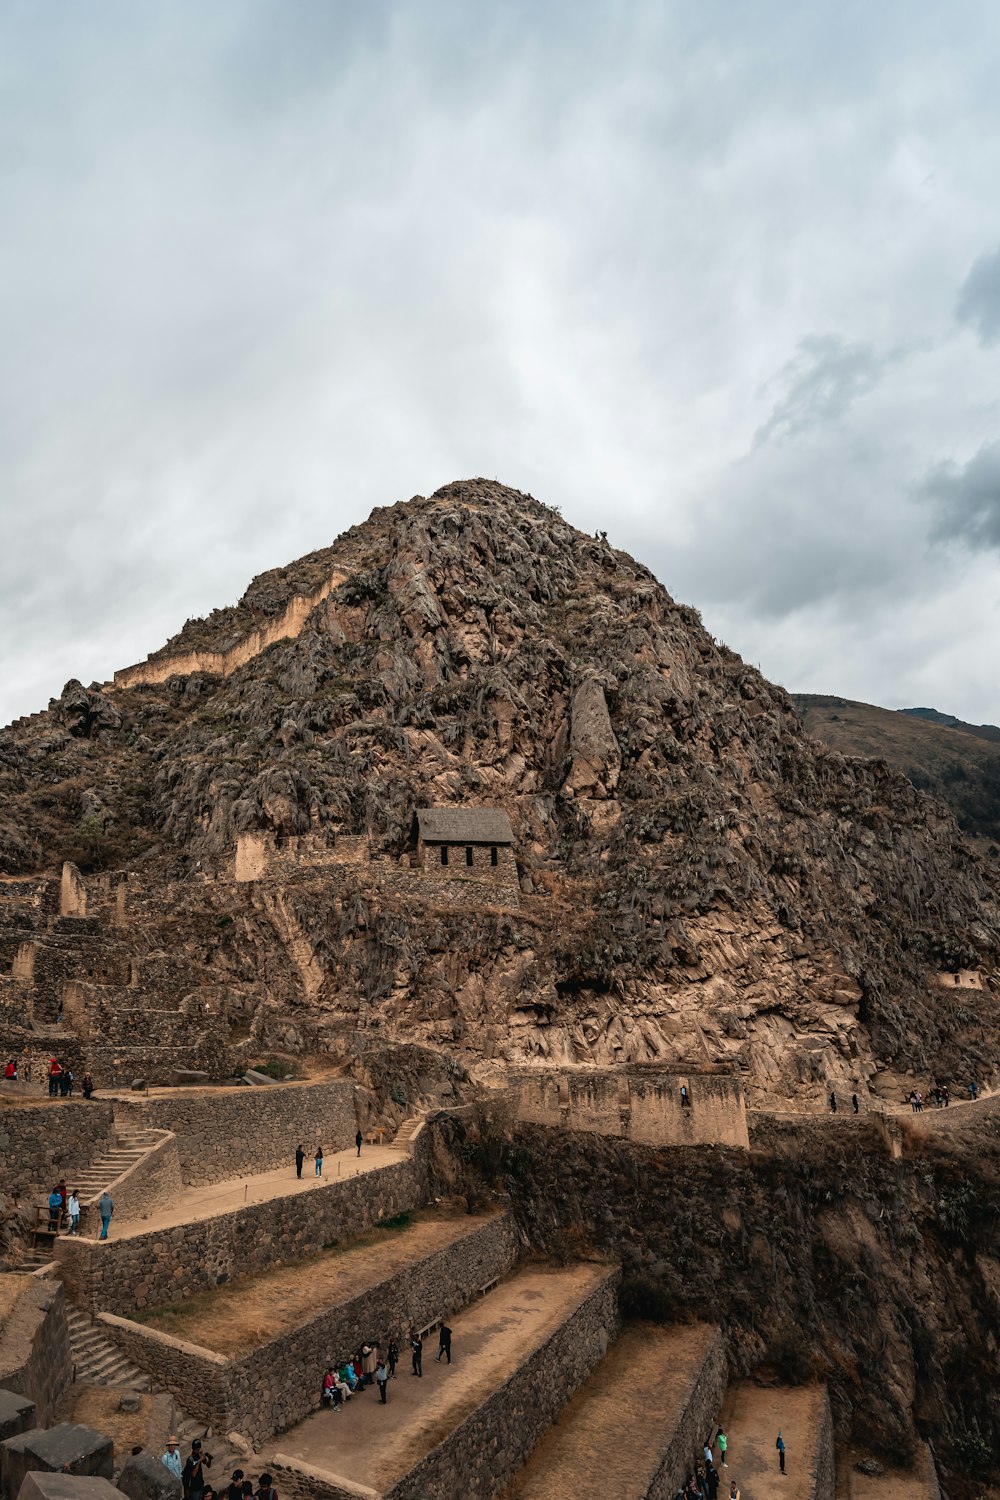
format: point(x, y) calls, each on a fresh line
point(723, 1443)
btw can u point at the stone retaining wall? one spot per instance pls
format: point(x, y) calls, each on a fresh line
point(480, 1455)
point(237, 1132)
point(276, 1385)
point(821, 1484)
point(165, 1265)
point(35, 1357)
point(41, 1142)
point(695, 1414)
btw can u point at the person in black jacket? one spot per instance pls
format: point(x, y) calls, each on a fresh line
point(300, 1157)
point(194, 1478)
point(417, 1349)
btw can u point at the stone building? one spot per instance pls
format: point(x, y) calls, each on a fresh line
point(471, 843)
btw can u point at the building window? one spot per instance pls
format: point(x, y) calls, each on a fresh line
point(444, 854)
point(468, 854)
point(493, 857)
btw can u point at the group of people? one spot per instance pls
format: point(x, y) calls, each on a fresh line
point(64, 1208)
point(300, 1156)
point(703, 1483)
point(194, 1473)
point(61, 1078)
point(939, 1096)
point(370, 1364)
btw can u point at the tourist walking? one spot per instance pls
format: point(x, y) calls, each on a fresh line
point(106, 1207)
point(973, 1091)
point(382, 1379)
point(358, 1140)
point(417, 1350)
point(780, 1445)
point(723, 1442)
point(854, 1103)
point(300, 1157)
point(393, 1358)
point(172, 1458)
point(319, 1161)
point(87, 1085)
point(444, 1343)
point(833, 1102)
point(73, 1209)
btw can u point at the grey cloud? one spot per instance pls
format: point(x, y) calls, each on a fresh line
point(978, 305)
point(965, 499)
point(823, 380)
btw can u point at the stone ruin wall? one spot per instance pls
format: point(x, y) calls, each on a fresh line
point(481, 1454)
point(161, 1266)
point(272, 1387)
point(286, 626)
point(35, 1359)
point(637, 1103)
point(43, 1140)
point(241, 1131)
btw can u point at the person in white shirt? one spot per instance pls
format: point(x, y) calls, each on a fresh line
point(73, 1210)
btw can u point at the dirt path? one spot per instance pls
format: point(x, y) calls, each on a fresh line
point(626, 1408)
point(375, 1445)
point(194, 1203)
point(244, 1314)
point(751, 1417)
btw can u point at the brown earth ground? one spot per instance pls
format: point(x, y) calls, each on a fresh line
point(11, 1287)
point(374, 1445)
point(623, 1410)
point(194, 1203)
point(244, 1314)
point(96, 1406)
point(751, 1417)
point(918, 1483)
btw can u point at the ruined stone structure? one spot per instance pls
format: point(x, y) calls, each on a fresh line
point(655, 1106)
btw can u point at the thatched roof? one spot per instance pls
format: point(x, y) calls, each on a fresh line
point(464, 825)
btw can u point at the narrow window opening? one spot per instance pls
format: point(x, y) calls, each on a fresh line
point(493, 857)
point(444, 854)
point(468, 854)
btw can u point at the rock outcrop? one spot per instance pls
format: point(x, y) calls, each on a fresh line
point(700, 880)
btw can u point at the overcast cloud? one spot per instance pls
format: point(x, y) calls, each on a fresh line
point(723, 280)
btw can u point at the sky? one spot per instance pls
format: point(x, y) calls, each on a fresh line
point(722, 280)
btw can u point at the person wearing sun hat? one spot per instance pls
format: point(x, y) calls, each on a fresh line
point(172, 1458)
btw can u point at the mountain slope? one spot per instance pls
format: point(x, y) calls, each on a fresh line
point(701, 880)
point(960, 763)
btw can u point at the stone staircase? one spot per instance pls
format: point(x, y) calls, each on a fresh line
point(90, 1181)
point(96, 1361)
point(408, 1131)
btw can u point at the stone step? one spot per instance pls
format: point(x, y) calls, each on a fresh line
point(519, 1354)
point(752, 1416)
point(650, 1403)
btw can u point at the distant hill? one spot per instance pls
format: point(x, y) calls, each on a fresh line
point(958, 762)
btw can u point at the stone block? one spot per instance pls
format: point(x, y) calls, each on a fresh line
point(144, 1476)
point(130, 1401)
point(67, 1447)
point(39, 1486)
point(187, 1076)
point(17, 1414)
point(252, 1076)
point(138, 1085)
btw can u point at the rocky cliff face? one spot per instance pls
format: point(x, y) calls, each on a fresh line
point(700, 881)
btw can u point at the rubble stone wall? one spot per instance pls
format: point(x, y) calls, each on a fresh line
point(227, 1133)
point(164, 1265)
point(35, 1356)
point(51, 1138)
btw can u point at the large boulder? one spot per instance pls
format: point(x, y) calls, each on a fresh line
point(65, 1449)
point(38, 1486)
point(144, 1476)
point(17, 1414)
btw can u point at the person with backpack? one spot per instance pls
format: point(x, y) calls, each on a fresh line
point(780, 1445)
point(194, 1479)
point(319, 1161)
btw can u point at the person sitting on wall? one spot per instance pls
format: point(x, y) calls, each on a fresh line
point(330, 1395)
point(348, 1376)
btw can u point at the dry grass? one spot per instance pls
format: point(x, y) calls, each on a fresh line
point(96, 1406)
point(11, 1287)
